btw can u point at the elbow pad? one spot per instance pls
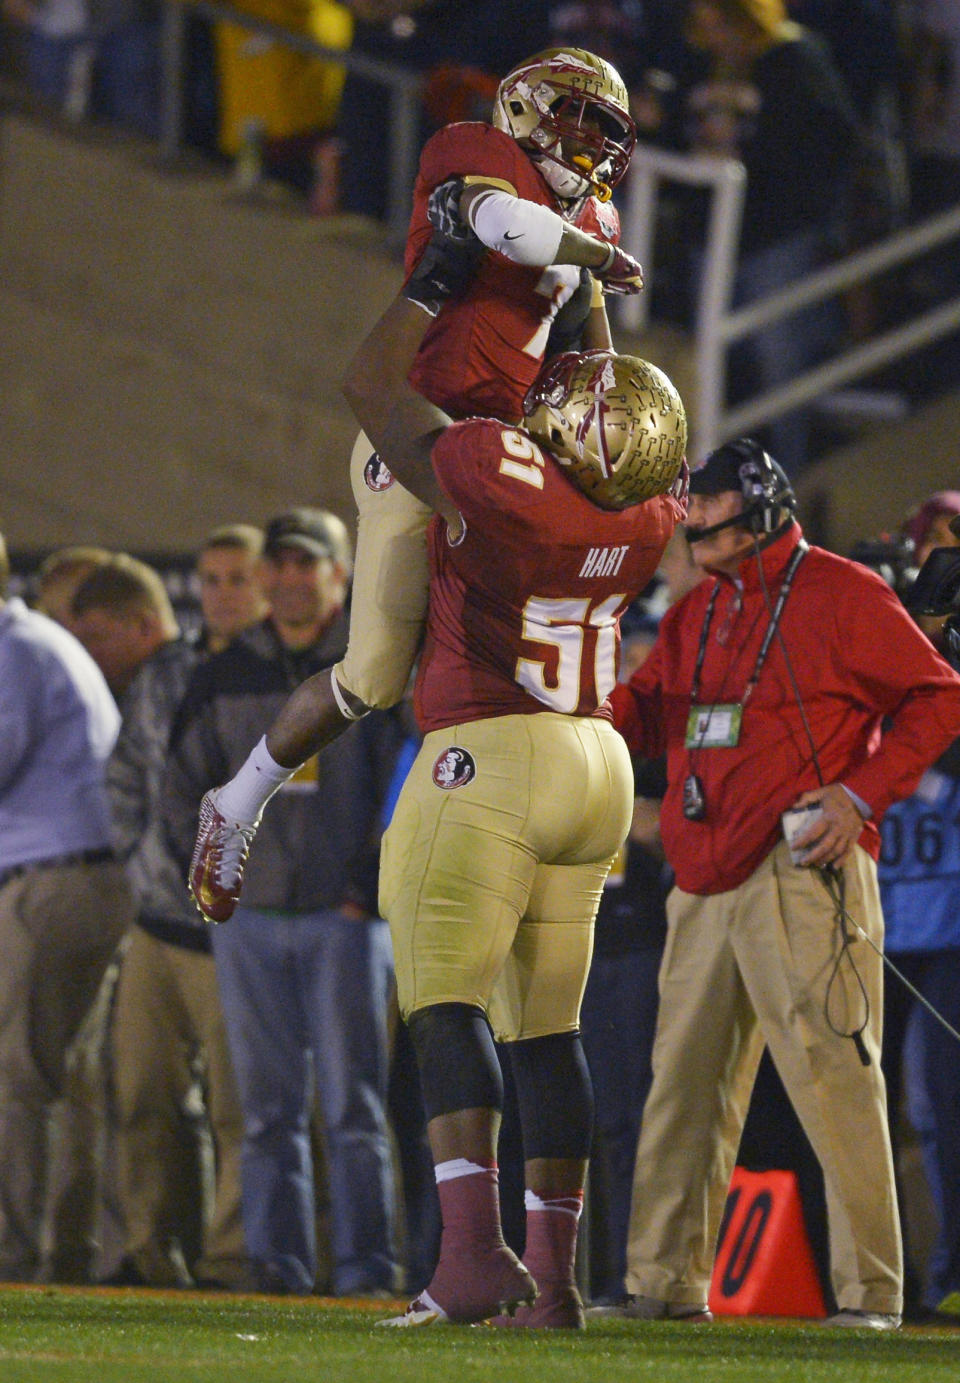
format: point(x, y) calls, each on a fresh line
point(522, 231)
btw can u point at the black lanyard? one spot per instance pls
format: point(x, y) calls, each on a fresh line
point(795, 560)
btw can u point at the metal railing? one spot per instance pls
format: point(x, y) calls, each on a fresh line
point(717, 325)
point(403, 89)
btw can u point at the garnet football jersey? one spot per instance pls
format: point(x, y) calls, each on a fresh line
point(484, 349)
point(524, 612)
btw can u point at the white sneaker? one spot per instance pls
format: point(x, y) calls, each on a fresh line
point(422, 1311)
point(865, 1320)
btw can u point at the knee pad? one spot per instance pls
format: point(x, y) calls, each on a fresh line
point(458, 1063)
point(554, 1094)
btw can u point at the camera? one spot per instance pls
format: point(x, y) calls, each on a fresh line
point(891, 558)
point(936, 591)
point(936, 588)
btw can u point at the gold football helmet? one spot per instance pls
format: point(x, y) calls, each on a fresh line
point(570, 110)
point(614, 422)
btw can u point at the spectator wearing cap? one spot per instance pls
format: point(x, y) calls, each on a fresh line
point(927, 527)
point(304, 966)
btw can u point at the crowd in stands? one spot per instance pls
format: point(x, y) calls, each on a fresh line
point(896, 62)
point(846, 133)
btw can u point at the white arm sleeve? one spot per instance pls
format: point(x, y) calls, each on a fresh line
point(519, 230)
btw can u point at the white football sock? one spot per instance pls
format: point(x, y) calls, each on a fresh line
point(250, 789)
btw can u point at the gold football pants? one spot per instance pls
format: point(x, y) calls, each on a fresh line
point(491, 886)
point(388, 601)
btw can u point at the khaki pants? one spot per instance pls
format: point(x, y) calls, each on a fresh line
point(167, 1026)
point(388, 601)
point(59, 928)
point(753, 965)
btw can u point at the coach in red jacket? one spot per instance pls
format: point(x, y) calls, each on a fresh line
point(790, 678)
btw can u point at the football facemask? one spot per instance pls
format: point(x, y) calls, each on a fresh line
point(615, 423)
point(570, 111)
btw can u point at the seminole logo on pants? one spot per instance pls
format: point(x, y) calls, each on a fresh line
point(376, 476)
point(454, 768)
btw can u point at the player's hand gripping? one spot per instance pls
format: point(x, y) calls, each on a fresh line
point(443, 212)
point(829, 840)
point(451, 258)
point(620, 272)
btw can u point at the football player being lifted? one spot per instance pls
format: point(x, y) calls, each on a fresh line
point(512, 241)
point(495, 858)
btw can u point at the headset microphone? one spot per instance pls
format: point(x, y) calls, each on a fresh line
point(696, 535)
point(744, 466)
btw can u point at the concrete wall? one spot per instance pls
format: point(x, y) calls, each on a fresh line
point(867, 488)
point(169, 357)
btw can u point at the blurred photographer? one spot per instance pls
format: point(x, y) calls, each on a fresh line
point(919, 875)
point(933, 595)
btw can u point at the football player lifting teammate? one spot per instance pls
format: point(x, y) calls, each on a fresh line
point(514, 218)
point(522, 792)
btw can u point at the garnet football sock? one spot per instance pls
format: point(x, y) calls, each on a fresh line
point(469, 1204)
point(477, 1275)
point(552, 1224)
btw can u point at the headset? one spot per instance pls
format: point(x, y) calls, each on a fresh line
point(768, 498)
point(768, 502)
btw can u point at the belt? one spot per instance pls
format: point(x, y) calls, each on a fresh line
point(98, 856)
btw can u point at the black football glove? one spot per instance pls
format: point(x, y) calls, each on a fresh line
point(566, 333)
point(452, 256)
point(443, 211)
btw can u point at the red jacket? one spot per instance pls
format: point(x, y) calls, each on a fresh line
point(859, 662)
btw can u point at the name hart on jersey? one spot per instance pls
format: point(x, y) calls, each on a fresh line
point(603, 561)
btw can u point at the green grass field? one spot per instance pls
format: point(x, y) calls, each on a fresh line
point(57, 1335)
